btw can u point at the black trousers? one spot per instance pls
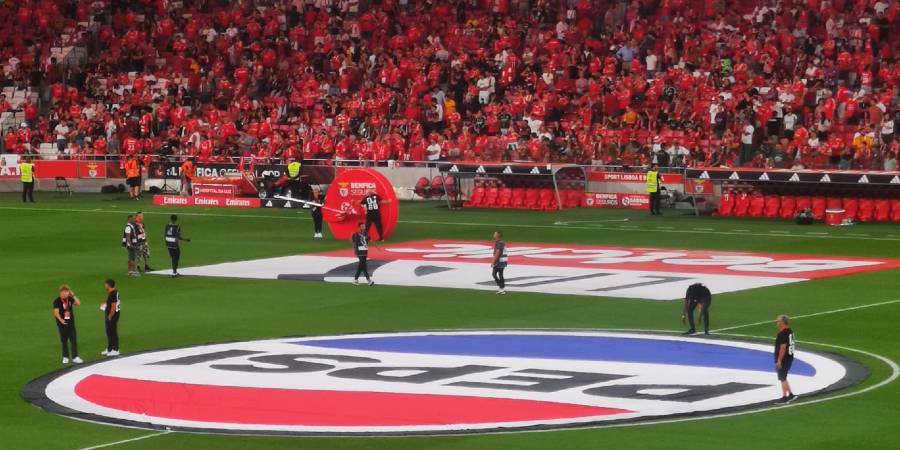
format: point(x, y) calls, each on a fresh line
point(704, 315)
point(376, 220)
point(28, 190)
point(655, 202)
point(67, 335)
point(175, 254)
point(112, 334)
point(498, 277)
point(362, 267)
point(317, 220)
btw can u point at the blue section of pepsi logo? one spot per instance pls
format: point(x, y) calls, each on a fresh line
point(580, 348)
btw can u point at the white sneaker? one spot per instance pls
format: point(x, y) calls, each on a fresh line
point(501, 292)
point(318, 236)
point(77, 360)
point(104, 352)
point(371, 282)
point(356, 282)
point(113, 353)
point(65, 360)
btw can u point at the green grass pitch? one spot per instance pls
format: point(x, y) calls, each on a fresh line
point(76, 241)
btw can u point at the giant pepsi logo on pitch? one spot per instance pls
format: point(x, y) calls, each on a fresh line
point(431, 382)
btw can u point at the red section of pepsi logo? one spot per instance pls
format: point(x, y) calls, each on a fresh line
point(286, 407)
point(634, 259)
point(343, 214)
point(226, 202)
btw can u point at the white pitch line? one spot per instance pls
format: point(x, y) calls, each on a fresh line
point(817, 233)
point(822, 313)
point(703, 229)
point(140, 438)
point(665, 228)
point(857, 234)
point(471, 224)
point(780, 232)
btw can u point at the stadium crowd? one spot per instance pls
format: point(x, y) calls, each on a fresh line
point(789, 83)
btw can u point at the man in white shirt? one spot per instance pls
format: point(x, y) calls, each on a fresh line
point(484, 90)
point(677, 153)
point(62, 137)
point(650, 61)
point(747, 142)
point(789, 121)
point(433, 151)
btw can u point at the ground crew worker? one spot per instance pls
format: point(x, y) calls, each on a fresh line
point(498, 263)
point(64, 312)
point(129, 241)
point(133, 177)
point(316, 212)
point(653, 189)
point(187, 177)
point(784, 357)
point(697, 296)
point(111, 308)
point(173, 236)
point(27, 174)
point(360, 241)
point(143, 251)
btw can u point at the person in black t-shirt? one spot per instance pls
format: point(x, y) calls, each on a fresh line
point(64, 312)
point(316, 211)
point(372, 204)
point(784, 357)
point(173, 236)
point(360, 241)
point(697, 295)
point(111, 308)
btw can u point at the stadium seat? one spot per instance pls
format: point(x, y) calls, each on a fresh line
point(437, 187)
point(882, 210)
point(742, 204)
point(476, 198)
point(518, 198)
point(788, 207)
point(803, 203)
point(547, 201)
point(773, 205)
point(423, 188)
point(573, 198)
point(726, 206)
point(866, 209)
point(851, 208)
point(757, 205)
point(450, 187)
point(834, 203)
point(504, 198)
point(895, 210)
point(490, 196)
point(531, 198)
point(818, 207)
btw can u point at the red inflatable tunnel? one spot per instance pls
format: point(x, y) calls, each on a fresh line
point(343, 214)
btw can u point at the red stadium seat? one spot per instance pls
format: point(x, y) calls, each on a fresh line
point(726, 205)
point(757, 205)
point(788, 207)
point(518, 198)
point(773, 205)
point(504, 198)
point(490, 196)
point(803, 203)
point(476, 198)
point(882, 210)
point(547, 201)
point(834, 203)
point(437, 187)
point(450, 187)
point(531, 198)
point(895, 210)
point(742, 205)
point(866, 209)
point(573, 198)
point(818, 207)
point(423, 189)
point(851, 208)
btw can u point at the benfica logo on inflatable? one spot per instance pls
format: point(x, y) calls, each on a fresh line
point(431, 382)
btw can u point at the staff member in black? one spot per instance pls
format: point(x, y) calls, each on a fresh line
point(111, 308)
point(173, 236)
point(697, 296)
point(360, 241)
point(784, 357)
point(130, 242)
point(498, 263)
point(64, 312)
point(372, 204)
point(316, 211)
